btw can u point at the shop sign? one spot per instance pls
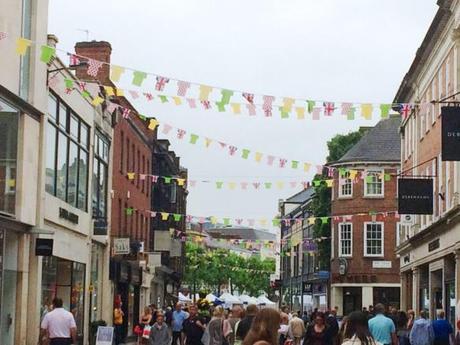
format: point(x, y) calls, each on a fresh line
point(44, 246)
point(104, 335)
point(121, 246)
point(433, 245)
point(381, 264)
point(307, 287)
point(100, 227)
point(450, 133)
point(415, 196)
point(67, 215)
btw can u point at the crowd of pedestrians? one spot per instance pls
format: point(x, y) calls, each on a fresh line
point(238, 326)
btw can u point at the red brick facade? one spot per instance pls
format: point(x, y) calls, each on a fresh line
point(132, 152)
point(360, 266)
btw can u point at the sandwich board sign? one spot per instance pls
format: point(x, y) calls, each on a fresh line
point(104, 335)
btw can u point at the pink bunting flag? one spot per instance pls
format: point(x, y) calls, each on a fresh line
point(153, 214)
point(166, 128)
point(93, 67)
point(206, 105)
point(188, 218)
point(328, 108)
point(222, 145)
point(346, 108)
point(293, 184)
point(201, 220)
point(68, 90)
point(268, 105)
point(181, 133)
point(232, 150)
point(182, 87)
point(256, 185)
point(134, 94)
point(319, 169)
point(249, 97)
point(53, 81)
point(244, 185)
point(125, 113)
point(251, 109)
point(81, 85)
point(154, 179)
point(111, 107)
point(270, 160)
point(287, 221)
point(191, 103)
point(148, 96)
point(161, 83)
point(298, 221)
point(283, 162)
point(142, 177)
point(315, 113)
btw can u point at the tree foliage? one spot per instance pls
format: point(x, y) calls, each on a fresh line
point(321, 205)
point(211, 269)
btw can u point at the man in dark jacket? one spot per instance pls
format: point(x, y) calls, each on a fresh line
point(193, 327)
point(245, 324)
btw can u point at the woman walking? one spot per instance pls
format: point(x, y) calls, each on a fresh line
point(145, 324)
point(357, 331)
point(264, 329)
point(216, 327)
point(318, 333)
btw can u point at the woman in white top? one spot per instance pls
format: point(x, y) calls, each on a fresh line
point(357, 330)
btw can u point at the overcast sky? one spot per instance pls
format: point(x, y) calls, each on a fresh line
point(353, 50)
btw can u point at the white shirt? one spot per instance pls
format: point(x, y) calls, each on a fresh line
point(58, 323)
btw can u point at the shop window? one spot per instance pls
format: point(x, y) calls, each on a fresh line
point(9, 118)
point(374, 183)
point(67, 143)
point(64, 279)
point(373, 239)
point(100, 175)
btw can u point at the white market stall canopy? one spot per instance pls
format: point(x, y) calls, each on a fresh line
point(245, 299)
point(262, 300)
point(183, 298)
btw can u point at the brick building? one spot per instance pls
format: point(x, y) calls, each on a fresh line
point(131, 198)
point(430, 244)
point(364, 267)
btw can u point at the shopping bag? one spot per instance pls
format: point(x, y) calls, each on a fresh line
point(146, 332)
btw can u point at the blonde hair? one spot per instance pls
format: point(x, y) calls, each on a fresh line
point(218, 312)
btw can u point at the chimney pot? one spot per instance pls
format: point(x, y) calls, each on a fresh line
point(52, 40)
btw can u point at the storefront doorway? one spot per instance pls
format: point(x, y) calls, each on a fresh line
point(352, 299)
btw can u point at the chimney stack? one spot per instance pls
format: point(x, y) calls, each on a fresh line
point(96, 50)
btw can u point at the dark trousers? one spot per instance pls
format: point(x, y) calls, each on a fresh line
point(176, 336)
point(119, 339)
point(60, 341)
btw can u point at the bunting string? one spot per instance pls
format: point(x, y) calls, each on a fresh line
point(222, 98)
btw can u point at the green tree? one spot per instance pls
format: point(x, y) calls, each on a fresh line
point(341, 143)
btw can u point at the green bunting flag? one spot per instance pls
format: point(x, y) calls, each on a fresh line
point(342, 172)
point(276, 222)
point(316, 183)
point(385, 110)
point(226, 94)
point(351, 114)
point(129, 211)
point(219, 184)
point(142, 117)
point(310, 106)
point(68, 83)
point(85, 94)
point(245, 153)
point(387, 177)
point(139, 77)
point(294, 164)
point(167, 179)
point(163, 98)
point(268, 185)
point(284, 113)
point(324, 220)
point(220, 107)
point(226, 221)
point(47, 53)
point(369, 179)
point(193, 138)
point(177, 217)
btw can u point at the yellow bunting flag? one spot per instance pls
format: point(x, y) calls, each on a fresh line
point(236, 108)
point(153, 123)
point(131, 175)
point(204, 92)
point(213, 220)
point(280, 184)
point(21, 45)
point(177, 100)
point(180, 181)
point(311, 220)
point(287, 104)
point(117, 71)
point(120, 92)
point(306, 167)
point(353, 174)
point(232, 185)
point(109, 91)
point(329, 183)
point(97, 100)
point(164, 216)
point(366, 111)
point(300, 113)
point(263, 222)
point(207, 142)
point(258, 156)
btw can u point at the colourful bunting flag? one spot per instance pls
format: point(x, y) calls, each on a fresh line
point(310, 106)
point(131, 175)
point(47, 53)
point(164, 216)
point(129, 211)
point(167, 179)
point(177, 100)
point(21, 45)
point(219, 184)
point(139, 77)
point(366, 111)
point(180, 181)
point(245, 153)
point(193, 138)
point(300, 113)
point(109, 91)
point(153, 123)
point(351, 114)
point(116, 73)
point(385, 110)
point(236, 108)
point(204, 92)
point(177, 217)
point(68, 83)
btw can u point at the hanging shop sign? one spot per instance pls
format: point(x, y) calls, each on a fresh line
point(450, 133)
point(121, 246)
point(307, 287)
point(44, 246)
point(415, 196)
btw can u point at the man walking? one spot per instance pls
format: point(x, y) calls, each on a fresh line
point(382, 328)
point(59, 325)
point(178, 317)
point(160, 333)
point(442, 330)
point(333, 324)
point(296, 329)
point(422, 331)
point(245, 324)
point(230, 324)
point(193, 327)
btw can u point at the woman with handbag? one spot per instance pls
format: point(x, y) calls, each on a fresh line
point(146, 318)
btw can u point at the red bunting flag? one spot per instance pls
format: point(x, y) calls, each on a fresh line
point(182, 87)
point(268, 105)
point(125, 113)
point(161, 83)
point(328, 108)
point(180, 133)
point(93, 67)
point(148, 96)
point(232, 150)
point(249, 97)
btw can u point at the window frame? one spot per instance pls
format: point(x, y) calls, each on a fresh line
point(382, 240)
point(100, 161)
point(343, 183)
point(82, 149)
point(366, 191)
point(340, 238)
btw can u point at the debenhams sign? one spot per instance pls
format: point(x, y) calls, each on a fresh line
point(450, 133)
point(415, 196)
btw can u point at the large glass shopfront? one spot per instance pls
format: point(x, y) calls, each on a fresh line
point(64, 279)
